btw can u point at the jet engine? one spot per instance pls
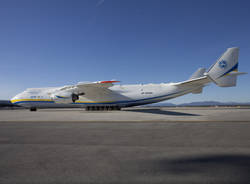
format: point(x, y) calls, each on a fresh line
point(65, 97)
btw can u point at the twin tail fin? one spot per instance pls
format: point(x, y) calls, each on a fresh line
point(225, 71)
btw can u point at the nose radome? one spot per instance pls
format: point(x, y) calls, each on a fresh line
point(14, 99)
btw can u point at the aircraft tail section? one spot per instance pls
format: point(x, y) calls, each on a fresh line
point(196, 75)
point(225, 71)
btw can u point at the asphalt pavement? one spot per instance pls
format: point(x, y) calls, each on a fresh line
point(124, 152)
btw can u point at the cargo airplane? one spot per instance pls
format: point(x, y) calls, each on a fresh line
point(104, 95)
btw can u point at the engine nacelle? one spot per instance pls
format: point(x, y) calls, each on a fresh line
point(64, 97)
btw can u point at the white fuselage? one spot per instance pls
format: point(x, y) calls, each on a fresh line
point(103, 94)
point(129, 95)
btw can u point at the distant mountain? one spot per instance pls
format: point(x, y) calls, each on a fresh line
point(5, 103)
point(162, 105)
point(213, 103)
point(202, 103)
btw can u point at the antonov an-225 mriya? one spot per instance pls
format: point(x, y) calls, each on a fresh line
point(103, 95)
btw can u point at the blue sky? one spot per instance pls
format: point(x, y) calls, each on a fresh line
point(59, 42)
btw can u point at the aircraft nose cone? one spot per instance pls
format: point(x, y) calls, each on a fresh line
point(13, 100)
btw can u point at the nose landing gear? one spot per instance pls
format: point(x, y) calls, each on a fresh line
point(33, 108)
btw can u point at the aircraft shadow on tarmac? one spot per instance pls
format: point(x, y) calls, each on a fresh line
point(220, 168)
point(163, 112)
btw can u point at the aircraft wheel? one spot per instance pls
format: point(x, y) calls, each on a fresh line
point(33, 109)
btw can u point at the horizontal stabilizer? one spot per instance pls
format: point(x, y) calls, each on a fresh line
point(229, 80)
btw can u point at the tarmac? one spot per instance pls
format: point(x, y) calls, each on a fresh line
point(135, 145)
point(139, 114)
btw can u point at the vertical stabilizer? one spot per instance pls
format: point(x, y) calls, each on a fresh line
point(224, 72)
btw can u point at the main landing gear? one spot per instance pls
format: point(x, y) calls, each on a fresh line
point(103, 108)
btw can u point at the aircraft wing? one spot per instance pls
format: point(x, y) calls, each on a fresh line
point(98, 91)
point(98, 84)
